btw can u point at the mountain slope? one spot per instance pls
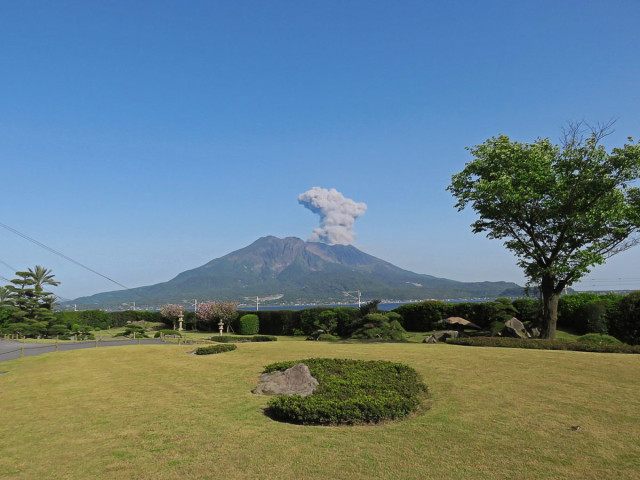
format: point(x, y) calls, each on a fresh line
point(299, 272)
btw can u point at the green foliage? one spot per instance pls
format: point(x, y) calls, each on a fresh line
point(263, 338)
point(239, 339)
point(327, 337)
point(279, 322)
point(377, 326)
point(27, 306)
point(248, 324)
point(346, 316)
point(529, 311)
point(132, 330)
point(311, 319)
point(424, 316)
point(210, 349)
point(571, 309)
point(598, 338)
point(350, 392)
point(625, 321)
point(370, 307)
point(559, 209)
point(161, 333)
point(539, 344)
point(495, 328)
point(58, 330)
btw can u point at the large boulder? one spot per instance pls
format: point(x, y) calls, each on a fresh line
point(442, 336)
point(296, 380)
point(514, 328)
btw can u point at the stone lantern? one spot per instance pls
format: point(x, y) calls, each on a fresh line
point(220, 326)
point(180, 319)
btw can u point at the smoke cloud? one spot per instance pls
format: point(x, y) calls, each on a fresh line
point(337, 215)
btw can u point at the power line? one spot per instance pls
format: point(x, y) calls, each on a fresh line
point(66, 257)
point(8, 266)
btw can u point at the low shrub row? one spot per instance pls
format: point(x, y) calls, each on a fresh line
point(241, 339)
point(545, 344)
point(162, 333)
point(350, 392)
point(209, 349)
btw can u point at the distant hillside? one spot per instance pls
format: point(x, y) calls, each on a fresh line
point(295, 271)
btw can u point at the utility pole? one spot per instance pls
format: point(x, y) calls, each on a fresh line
point(257, 303)
point(351, 294)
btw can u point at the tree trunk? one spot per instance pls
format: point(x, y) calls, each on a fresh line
point(549, 308)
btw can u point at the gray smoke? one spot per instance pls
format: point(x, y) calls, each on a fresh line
point(337, 215)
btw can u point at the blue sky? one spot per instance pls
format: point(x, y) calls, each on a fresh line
point(146, 138)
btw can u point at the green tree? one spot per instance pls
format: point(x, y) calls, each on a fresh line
point(561, 209)
point(26, 294)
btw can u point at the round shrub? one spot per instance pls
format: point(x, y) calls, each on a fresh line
point(350, 392)
point(248, 324)
point(160, 333)
point(264, 338)
point(209, 349)
point(327, 337)
point(598, 338)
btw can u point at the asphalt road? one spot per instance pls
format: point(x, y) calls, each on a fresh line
point(10, 350)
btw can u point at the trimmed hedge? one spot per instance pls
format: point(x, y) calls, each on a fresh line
point(544, 344)
point(239, 339)
point(598, 338)
point(209, 349)
point(248, 324)
point(350, 392)
point(278, 322)
point(161, 333)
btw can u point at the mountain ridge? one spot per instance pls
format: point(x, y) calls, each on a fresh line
point(300, 272)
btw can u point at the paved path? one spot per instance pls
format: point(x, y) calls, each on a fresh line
point(10, 350)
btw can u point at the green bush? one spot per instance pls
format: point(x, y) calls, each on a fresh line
point(312, 319)
point(133, 330)
point(350, 392)
point(529, 311)
point(624, 323)
point(376, 326)
point(538, 344)
point(248, 324)
point(278, 322)
point(210, 349)
point(571, 311)
point(263, 338)
point(327, 337)
point(230, 339)
point(239, 339)
point(423, 316)
point(161, 333)
point(598, 338)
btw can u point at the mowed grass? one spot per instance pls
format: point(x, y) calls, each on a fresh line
point(155, 412)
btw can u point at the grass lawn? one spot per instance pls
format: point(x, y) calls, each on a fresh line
point(154, 412)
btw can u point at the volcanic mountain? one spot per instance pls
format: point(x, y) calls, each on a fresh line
point(293, 271)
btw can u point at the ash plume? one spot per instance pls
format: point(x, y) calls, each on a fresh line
point(337, 215)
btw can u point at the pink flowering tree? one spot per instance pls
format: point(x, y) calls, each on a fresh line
point(212, 312)
point(171, 312)
point(227, 311)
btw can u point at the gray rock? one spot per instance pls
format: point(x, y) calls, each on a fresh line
point(514, 328)
point(296, 380)
point(442, 336)
point(535, 333)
